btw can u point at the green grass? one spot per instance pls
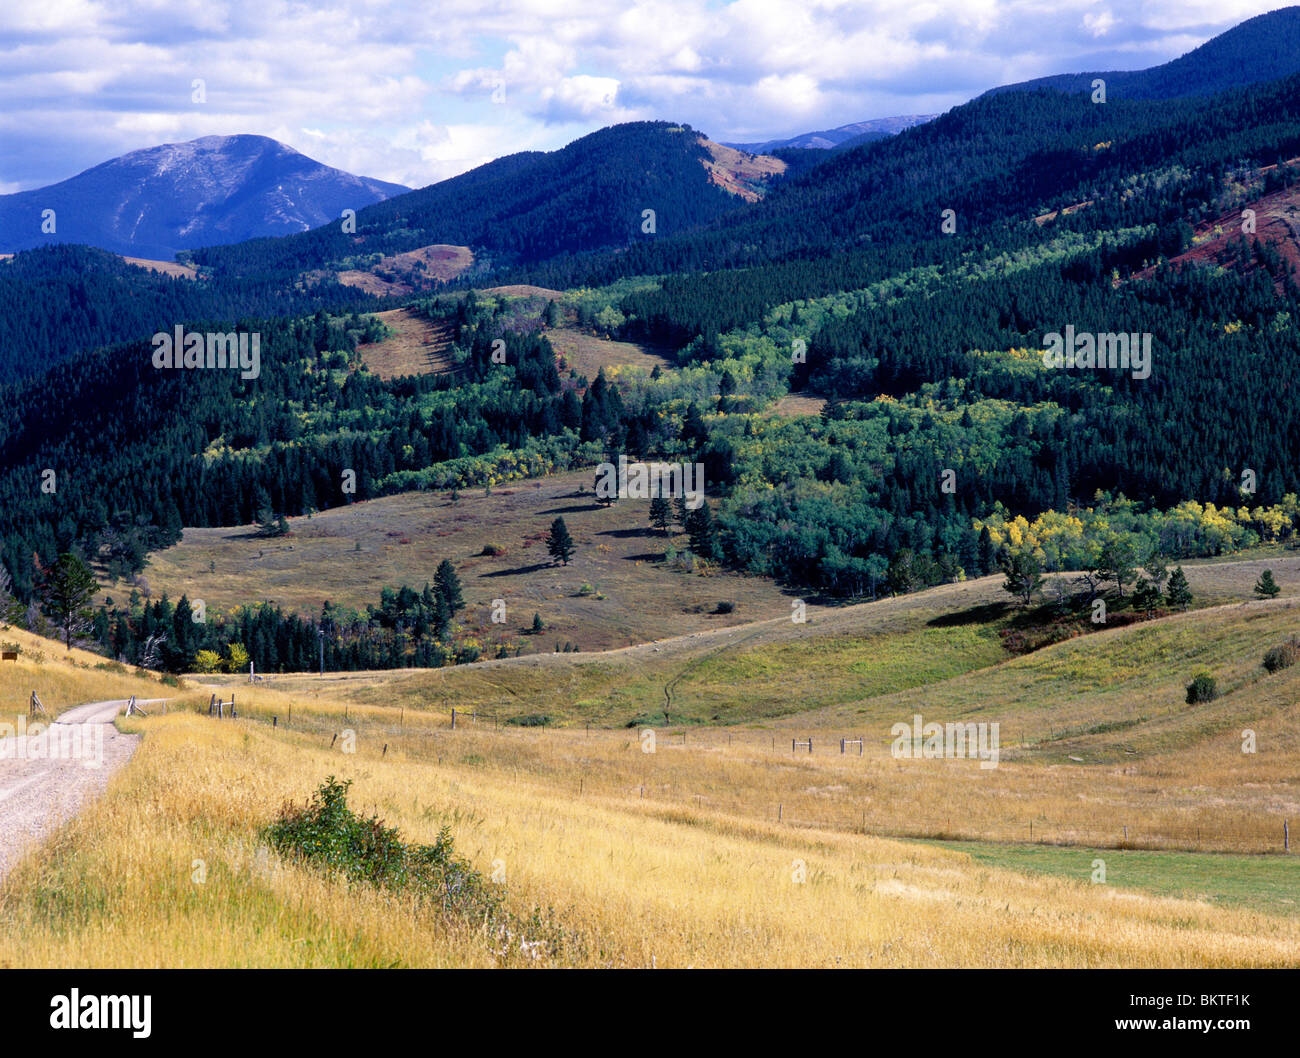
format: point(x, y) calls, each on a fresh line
point(1262, 883)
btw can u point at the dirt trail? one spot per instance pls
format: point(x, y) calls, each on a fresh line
point(47, 776)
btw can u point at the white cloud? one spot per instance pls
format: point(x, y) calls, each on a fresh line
point(401, 90)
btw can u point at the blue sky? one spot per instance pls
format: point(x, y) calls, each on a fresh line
point(418, 91)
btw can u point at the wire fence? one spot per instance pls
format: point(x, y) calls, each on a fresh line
point(887, 809)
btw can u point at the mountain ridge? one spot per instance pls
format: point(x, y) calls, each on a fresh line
point(156, 201)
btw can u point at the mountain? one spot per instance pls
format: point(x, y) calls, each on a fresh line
point(1263, 48)
point(529, 207)
point(827, 139)
point(157, 201)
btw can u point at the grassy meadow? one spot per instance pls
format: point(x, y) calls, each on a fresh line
point(721, 845)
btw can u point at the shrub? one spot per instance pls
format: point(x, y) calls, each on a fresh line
point(1202, 689)
point(725, 607)
point(530, 720)
point(326, 833)
point(1282, 656)
point(492, 550)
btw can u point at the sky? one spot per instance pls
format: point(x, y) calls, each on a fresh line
point(416, 92)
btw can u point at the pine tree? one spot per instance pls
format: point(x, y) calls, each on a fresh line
point(661, 513)
point(1178, 594)
point(1266, 587)
point(447, 585)
point(988, 554)
point(559, 543)
point(1146, 596)
point(538, 627)
point(699, 524)
point(66, 589)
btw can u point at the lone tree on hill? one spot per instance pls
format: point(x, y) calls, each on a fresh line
point(559, 543)
point(1266, 587)
point(1024, 575)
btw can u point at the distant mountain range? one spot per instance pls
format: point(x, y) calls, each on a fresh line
point(845, 136)
point(217, 189)
point(1263, 48)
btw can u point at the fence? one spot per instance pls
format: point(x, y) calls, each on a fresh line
point(869, 813)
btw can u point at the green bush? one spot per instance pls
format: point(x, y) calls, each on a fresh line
point(326, 833)
point(1202, 689)
point(530, 720)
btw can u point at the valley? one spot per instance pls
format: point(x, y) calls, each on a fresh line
point(939, 653)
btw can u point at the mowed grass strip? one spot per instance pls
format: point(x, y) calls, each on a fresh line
point(1264, 883)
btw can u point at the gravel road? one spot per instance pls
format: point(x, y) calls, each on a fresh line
point(46, 776)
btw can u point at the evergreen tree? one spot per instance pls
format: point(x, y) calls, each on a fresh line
point(66, 589)
point(447, 585)
point(1178, 594)
point(1266, 587)
point(987, 553)
point(559, 543)
point(703, 533)
point(661, 513)
point(1146, 596)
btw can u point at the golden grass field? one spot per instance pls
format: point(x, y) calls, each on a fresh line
point(415, 346)
point(691, 855)
point(588, 354)
point(632, 883)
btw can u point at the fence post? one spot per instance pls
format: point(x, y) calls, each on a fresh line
point(453, 718)
point(1286, 837)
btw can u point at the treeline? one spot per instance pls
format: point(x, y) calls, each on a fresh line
point(406, 629)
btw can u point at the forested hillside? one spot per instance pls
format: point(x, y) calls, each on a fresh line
point(522, 208)
point(58, 300)
point(911, 285)
point(1260, 49)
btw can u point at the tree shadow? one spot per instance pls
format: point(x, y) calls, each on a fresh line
point(518, 571)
